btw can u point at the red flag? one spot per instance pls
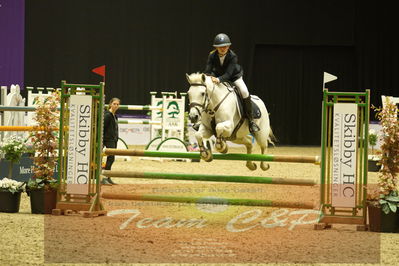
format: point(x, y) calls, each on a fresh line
point(99, 70)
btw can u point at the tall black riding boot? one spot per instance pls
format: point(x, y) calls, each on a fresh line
point(253, 127)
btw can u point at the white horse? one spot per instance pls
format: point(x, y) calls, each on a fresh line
point(215, 108)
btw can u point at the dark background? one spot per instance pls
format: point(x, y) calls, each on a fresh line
point(283, 45)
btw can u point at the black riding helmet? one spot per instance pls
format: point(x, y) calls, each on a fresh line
point(221, 40)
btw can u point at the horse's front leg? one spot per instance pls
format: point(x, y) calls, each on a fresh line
point(223, 131)
point(248, 144)
point(205, 152)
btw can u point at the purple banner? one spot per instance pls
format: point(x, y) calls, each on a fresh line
point(12, 31)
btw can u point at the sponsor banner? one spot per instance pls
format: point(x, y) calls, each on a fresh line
point(21, 171)
point(344, 155)
point(134, 134)
point(174, 112)
point(79, 142)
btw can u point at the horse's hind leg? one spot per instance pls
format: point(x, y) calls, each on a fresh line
point(261, 139)
point(248, 144)
point(264, 165)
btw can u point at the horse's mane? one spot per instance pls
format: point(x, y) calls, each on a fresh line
point(196, 78)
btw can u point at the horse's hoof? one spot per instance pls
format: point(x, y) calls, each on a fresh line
point(221, 146)
point(265, 167)
point(225, 150)
point(218, 144)
point(207, 156)
point(251, 166)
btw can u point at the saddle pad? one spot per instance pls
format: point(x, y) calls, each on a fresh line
point(256, 113)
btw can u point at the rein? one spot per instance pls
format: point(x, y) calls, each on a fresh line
point(212, 112)
point(216, 108)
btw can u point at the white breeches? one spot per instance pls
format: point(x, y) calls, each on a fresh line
point(242, 87)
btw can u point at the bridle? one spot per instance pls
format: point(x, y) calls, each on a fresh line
point(197, 105)
point(206, 102)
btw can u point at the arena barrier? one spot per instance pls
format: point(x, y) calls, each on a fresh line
point(216, 156)
point(213, 178)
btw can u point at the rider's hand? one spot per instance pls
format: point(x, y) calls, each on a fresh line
point(215, 80)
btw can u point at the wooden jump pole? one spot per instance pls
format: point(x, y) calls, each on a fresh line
point(138, 107)
point(17, 108)
point(22, 128)
point(139, 122)
point(199, 200)
point(217, 156)
point(213, 178)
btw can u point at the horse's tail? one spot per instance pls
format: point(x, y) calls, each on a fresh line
point(272, 138)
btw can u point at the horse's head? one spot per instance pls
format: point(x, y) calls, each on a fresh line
point(197, 95)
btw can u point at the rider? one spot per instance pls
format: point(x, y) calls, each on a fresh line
point(223, 66)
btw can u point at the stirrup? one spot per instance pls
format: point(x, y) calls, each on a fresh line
point(253, 127)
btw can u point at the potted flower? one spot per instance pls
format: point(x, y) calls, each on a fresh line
point(10, 194)
point(12, 150)
point(42, 187)
point(383, 207)
point(373, 159)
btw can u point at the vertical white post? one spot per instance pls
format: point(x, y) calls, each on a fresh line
point(164, 115)
point(3, 101)
point(154, 102)
point(182, 118)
